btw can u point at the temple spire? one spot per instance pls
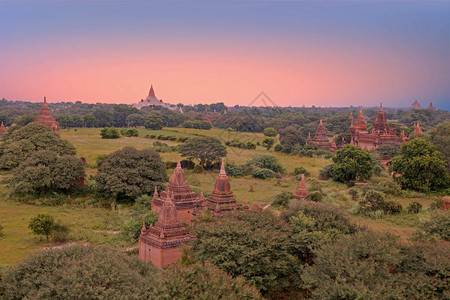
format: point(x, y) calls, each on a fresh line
point(179, 162)
point(155, 193)
point(143, 227)
point(301, 192)
point(45, 100)
point(151, 93)
point(222, 169)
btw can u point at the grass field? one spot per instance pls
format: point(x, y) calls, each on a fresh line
point(91, 224)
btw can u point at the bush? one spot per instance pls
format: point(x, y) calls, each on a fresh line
point(21, 143)
point(372, 201)
point(300, 171)
point(392, 207)
point(129, 132)
point(60, 232)
point(109, 133)
point(389, 188)
point(262, 173)
point(353, 193)
point(80, 272)
point(351, 163)
point(270, 132)
point(132, 227)
point(315, 196)
point(234, 170)
point(437, 228)
point(266, 162)
point(414, 207)
point(42, 224)
point(325, 173)
point(144, 201)
point(128, 173)
point(282, 199)
point(278, 148)
point(268, 143)
point(45, 171)
point(198, 169)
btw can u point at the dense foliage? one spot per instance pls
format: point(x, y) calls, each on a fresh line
point(440, 137)
point(42, 225)
point(351, 163)
point(109, 133)
point(291, 137)
point(23, 142)
point(46, 171)
point(153, 122)
point(128, 173)
point(206, 150)
point(421, 166)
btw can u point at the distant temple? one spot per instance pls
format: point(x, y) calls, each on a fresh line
point(301, 192)
point(160, 243)
point(2, 129)
point(45, 117)
point(222, 200)
point(320, 139)
point(184, 198)
point(431, 107)
point(416, 105)
point(417, 129)
point(152, 100)
point(381, 132)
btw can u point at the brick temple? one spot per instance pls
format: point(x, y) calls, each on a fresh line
point(301, 192)
point(184, 198)
point(2, 129)
point(45, 117)
point(222, 200)
point(160, 242)
point(381, 133)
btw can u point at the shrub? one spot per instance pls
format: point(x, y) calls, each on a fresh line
point(372, 201)
point(266, 162)
point(315, 196)
point(205, 281)
point(80, 272)
point(129, 132)
point(99, 159)
point(300, 171)
point(60, 232)
point(290, 137)
point(45, 171)
point(389, 188)
point(268, 143)
point(414, 207)
point(144, 201)
point(353, 193)
point(21, 143)
point(325, 173)
point(437, 228)
point(392, 207)
point(262, 173)
point(253, 243)
point(233, 169)
point(132, 227)
point(42, 224)
point(282, 199)
point(198, 169)
point(109, 133)
point(278, 148)
point(128, 173)
point(270, 132)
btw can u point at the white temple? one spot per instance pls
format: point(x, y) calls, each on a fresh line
point(152, 100)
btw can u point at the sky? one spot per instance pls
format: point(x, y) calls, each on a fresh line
point(322, 53)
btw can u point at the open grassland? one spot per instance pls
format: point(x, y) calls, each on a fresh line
point(97, 224)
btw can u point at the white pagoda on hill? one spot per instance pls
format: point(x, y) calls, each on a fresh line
point(152, 100)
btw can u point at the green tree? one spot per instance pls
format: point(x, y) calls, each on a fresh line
point(46, 171)
point(109, 133)
point(104, 118)
point(440, 137)
point(291, 137)
point(42, 225)
point(90, 120)
point(389, 149)
point(254, 244)
point(24, 120)
point(153, 122)
point(128, 173)
point(421, 165)
point(204, 149)
point(266, 162)
point(22, 143)
point(351, 163)
point(270, 132)
point(135, 120)
point(268, 143)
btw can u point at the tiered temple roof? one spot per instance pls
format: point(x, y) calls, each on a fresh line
point(301, 192)
point(183, 197)
point(222, 199)
point(45, 117)
point(381, 132)
point(2, 129)
point(417, 129)
point(320, 138)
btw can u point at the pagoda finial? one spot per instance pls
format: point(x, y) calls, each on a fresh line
point(222, 169)
point(143, 227)
point(320, 124)
point(151, 93)
point(179, 162)
point(45, 99)
point(381, 106)
point(155, 193)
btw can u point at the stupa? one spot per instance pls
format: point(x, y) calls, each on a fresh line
point(184, 198)
point(416, 105)
point(301, 192)
point(431, 107)
point(45, 117)
point(160, 243)
point(2, 129)
point(222, 200)
point(320, 138)
point(417, 129)
point(153, 100)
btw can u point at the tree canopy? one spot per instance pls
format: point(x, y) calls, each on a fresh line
point(421, 165)
point(351, 163)
point(204, 149)
point(128, 173)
